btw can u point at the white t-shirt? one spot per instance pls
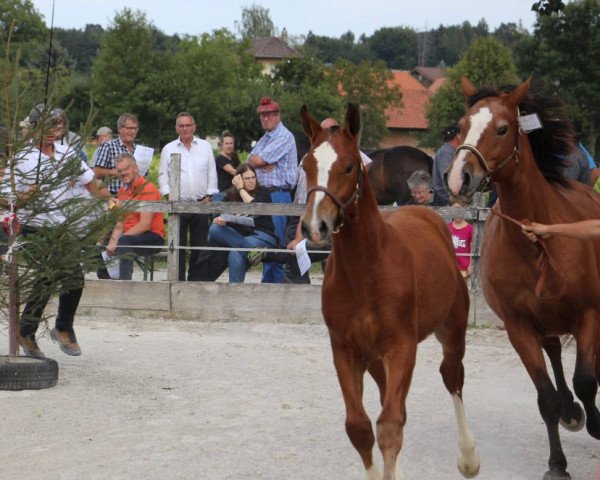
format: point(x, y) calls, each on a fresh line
point(56, 198)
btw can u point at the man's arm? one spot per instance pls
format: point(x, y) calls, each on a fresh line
point(163, 172)
point(257, 162)
point(97, 191)
point(111, 248)
point(213, 183)
point(584, 230)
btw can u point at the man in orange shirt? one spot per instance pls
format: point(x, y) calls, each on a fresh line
point(137, 229)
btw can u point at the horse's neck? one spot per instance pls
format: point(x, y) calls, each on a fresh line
point(363, 224)
point(523, 192)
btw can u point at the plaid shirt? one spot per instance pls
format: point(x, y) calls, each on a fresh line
point(107, 154)
point(277, 147)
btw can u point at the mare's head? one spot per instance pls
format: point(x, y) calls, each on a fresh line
point(333, 175)
point(492, 137)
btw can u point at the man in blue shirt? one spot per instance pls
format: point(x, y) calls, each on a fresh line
point(275, 160)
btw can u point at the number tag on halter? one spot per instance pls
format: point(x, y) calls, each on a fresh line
point(530, 122)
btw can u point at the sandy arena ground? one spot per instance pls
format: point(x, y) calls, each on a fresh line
point(163, 399)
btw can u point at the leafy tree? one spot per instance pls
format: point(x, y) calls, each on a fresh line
point(486, 63)
point(306, 81)
point(81, 46)
point(451, 42)
point(548, 7)
point(396, 46)
point(367, 85)
point(329, 50)
point(256, 22)
point(131, 75)
point(29, 32)
point(564, 56)
point(215, 78)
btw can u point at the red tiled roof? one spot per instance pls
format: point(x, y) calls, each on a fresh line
point(272, 47)
point(414, 100)
point(437, 83)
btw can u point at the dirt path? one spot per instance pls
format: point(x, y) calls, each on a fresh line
point(152, 399)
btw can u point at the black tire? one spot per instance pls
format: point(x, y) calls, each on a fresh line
point(26, 373)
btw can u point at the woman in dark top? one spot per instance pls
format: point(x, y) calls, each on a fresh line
point(234, 231)
point(226, 163)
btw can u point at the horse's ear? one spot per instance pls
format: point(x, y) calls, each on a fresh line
point(468, 88)
point(517, 95)
point(352, 120)
point(310, 126)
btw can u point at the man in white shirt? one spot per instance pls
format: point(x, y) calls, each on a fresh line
point(198, 184)
point(47, 170)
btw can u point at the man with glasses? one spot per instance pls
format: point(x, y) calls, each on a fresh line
point(198, 184)
point(105, 166)
point(275, 159)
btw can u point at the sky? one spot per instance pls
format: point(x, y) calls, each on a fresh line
point(330, 18)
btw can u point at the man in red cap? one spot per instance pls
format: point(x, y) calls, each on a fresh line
point(275, 160)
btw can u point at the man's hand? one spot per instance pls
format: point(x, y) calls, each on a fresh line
point(219, 221)
point(237, 182)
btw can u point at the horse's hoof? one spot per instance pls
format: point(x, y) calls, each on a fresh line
point(573, 417)
point(469, 470)
point(554, 475)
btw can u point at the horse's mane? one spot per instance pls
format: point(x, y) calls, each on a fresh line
point(551, 144)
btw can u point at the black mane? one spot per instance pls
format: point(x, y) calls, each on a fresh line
point(551, 144)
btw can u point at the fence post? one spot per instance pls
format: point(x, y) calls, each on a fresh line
point(173, 239)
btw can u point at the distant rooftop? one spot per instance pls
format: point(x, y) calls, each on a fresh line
point(272, 47)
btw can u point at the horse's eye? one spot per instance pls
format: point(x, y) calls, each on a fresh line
point(502, 130)
point(349, 168)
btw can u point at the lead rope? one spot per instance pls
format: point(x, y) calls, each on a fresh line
point(542, 262)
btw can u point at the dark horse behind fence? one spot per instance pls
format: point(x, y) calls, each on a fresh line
point(390, 170)
point(545, 289)
point(383, 292)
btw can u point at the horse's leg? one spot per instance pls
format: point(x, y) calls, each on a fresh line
point(351, 370)
point(585, 383)
point(399, 364)
point(527, 344)
point(572, 417)
point(377, 371)
point(452, 338)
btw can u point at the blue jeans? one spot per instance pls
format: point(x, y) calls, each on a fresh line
point(272, 271)
point(125, 246)
point(225, 236)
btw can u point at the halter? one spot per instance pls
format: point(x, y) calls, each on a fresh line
point(353, 199)
point(487, 178)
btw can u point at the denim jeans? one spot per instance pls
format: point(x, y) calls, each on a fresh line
point(225, 236)
point(272, 271)
point(126, 246)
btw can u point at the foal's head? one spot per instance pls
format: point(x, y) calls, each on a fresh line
point(490, 133)
point(333, 175)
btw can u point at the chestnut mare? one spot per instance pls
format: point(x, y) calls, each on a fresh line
point(390, 281)
point(544, 289)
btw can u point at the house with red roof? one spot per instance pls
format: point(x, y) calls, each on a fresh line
point(404, 122)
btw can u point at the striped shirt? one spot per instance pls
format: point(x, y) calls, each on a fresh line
point(277, 147)
point(107, 154)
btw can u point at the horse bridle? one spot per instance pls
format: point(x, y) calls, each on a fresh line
point(353, 199)
point(487, 178)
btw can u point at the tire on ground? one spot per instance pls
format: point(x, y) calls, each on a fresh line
point(26, 373)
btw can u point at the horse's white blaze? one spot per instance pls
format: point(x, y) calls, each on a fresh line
point(468, 459)
point(479, 122)
point(325, 156)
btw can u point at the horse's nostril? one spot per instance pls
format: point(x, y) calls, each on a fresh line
point(323, 229)
point(305, 232)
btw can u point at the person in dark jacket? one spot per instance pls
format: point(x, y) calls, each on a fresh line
point(242, 231)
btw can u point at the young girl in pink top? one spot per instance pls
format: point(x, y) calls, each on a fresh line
point(462, 239)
